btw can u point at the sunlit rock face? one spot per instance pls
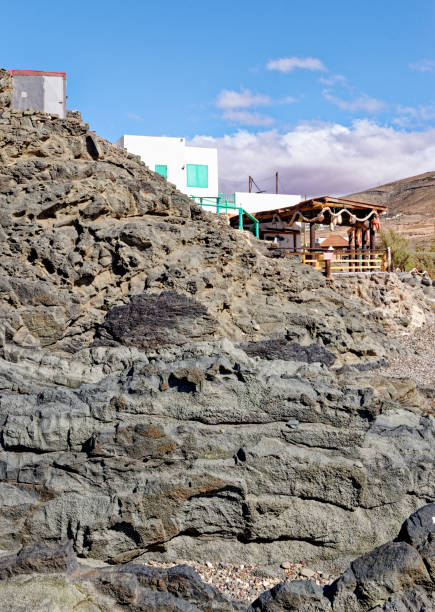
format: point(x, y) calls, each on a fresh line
point(171, 387)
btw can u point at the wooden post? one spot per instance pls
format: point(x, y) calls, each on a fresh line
point(355, 255)
point(364, 247)
point(372, 243)
point(312, 242)
point(328, 268)
point(312, 236)
point(350, 248)
point(372, 236)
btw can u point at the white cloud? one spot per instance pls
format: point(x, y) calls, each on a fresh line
point(364, 103)
point(288, 64)
point(329, 158)
point(333, 79)
point(423, 66)
point(414, 116)
point(246, 118)
point(243, 99)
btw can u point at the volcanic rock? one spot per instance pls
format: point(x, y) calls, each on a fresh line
point(171, 388)
point(41, 579)
point(393, 577)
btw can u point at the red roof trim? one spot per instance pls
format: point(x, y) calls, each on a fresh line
point(38, 73)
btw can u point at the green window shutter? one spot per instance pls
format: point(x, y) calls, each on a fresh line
point(197, 175)
point(161, 169)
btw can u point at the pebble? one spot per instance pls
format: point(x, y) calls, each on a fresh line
point(420, 365)
point(246, 582)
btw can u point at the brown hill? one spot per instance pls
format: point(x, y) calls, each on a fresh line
point(411, 205)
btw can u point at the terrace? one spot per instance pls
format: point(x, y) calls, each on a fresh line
point(361, 219)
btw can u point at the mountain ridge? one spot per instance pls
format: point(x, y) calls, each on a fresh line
point(411, 205)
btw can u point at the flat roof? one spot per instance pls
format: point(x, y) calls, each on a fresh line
point(37, 73)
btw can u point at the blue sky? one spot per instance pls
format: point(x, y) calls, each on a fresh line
point(336, 95)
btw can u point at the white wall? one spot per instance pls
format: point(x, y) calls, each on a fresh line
point(256, 202)
point(173, 153)
point(208, 157)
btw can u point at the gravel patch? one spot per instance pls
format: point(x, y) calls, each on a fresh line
point(246, 582)
point(420, 364)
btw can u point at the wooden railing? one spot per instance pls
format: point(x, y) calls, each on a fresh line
point(343, 260)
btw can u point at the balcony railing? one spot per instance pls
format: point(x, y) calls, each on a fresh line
point(223, 206)
point(341, 261)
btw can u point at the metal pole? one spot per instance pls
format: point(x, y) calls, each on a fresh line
point(250, 184)
point(276, 183)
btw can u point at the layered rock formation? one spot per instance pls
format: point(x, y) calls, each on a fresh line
point(201, 450)
point(170, 387)
point(398, 576)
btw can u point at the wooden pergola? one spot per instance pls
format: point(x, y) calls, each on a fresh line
point(361, 217)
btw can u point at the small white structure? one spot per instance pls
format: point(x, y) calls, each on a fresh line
point(194, 170)
point(256, 202)
point(39, 91)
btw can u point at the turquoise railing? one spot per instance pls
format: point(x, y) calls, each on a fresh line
point(230, 197)
point(224, 206)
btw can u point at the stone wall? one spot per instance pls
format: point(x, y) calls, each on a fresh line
point(5, 88)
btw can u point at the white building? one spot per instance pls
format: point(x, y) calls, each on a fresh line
point(194, 170)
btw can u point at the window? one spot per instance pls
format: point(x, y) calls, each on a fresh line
point(161, 169)
point(197, 175)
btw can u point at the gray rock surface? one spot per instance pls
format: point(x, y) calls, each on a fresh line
point(169, 388)
point(83, 233)
point(41, 579)
point(397, 576)
point(204, 451)
point(393, 577)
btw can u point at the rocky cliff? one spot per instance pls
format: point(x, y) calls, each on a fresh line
point(170, 387)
